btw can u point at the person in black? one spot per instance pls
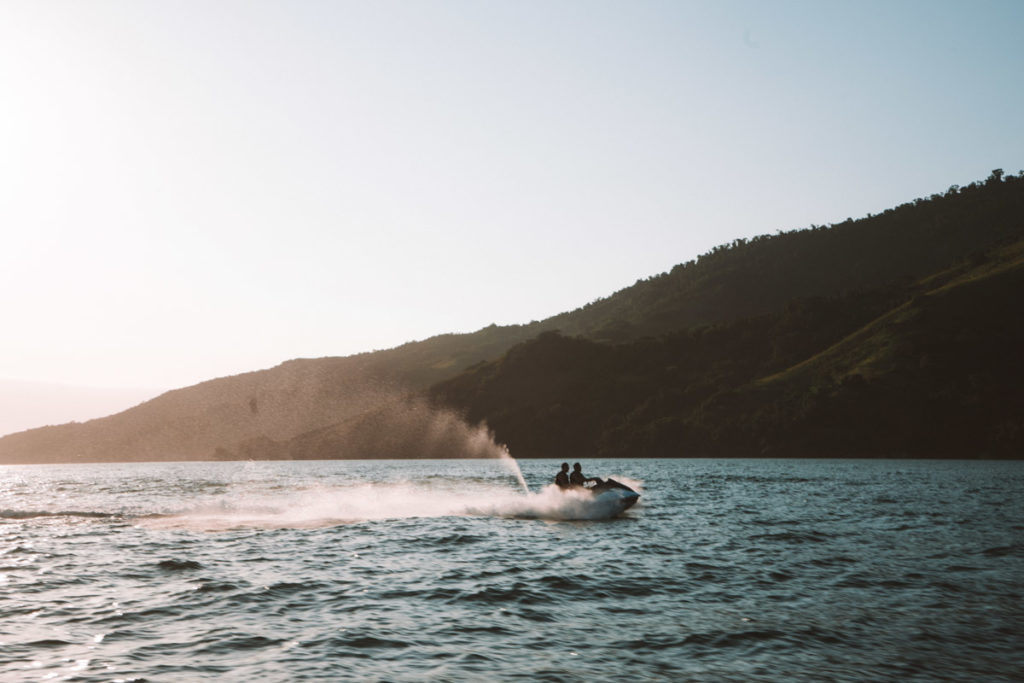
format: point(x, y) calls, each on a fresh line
point(577, 478)
point(562, 478)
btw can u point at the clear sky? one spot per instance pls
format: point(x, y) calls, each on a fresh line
point(192, 189)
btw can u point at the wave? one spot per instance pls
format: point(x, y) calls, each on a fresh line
point(32, 514)
point(178, 565)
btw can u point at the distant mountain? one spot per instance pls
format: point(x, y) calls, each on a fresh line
point(670, 366)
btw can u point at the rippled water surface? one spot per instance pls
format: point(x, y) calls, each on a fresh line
point(446, 570)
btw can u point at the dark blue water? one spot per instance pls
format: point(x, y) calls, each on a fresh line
point(749, 570)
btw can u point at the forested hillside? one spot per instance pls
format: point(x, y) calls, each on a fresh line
point(202, 421)
point(902, 358)
point(763, 274)
point(735, 353)
point(911, 360)
point(936, 373)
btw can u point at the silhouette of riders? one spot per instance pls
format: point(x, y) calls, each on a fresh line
point(577, 478)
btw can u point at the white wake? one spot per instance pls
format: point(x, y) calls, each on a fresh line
point(335, 505)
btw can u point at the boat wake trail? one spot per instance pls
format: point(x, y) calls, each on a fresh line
point(331, 506)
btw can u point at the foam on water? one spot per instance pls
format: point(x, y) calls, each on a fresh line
point(550, 503)
point(324, 506)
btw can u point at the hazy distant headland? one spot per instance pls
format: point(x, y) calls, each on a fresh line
point(894, 335)
point(24, 405)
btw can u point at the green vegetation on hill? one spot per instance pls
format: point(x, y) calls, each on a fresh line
point(838, 340)
point(935, 372)
point(763, 274)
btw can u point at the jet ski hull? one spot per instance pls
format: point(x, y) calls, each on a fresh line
point(614, 494)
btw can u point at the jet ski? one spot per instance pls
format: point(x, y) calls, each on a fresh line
point(616, 495)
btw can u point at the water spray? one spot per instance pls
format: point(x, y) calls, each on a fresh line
point(513, 465)
point(481, 440)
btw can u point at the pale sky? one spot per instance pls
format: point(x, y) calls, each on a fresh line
point(191, 189)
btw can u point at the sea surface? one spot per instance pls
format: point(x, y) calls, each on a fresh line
point(447, 570)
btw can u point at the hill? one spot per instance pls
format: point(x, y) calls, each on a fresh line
point(930, 370)
point(762, 275)
point(746, 310)
point(274, 404)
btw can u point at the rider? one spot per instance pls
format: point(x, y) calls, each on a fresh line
point(577, 478)
point(562, 478)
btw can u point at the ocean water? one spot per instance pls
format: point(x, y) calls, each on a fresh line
point(741, 570)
